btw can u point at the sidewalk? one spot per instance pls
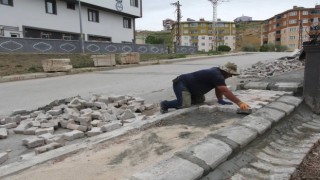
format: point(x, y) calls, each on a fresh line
point(235, 137)
point(20, 77)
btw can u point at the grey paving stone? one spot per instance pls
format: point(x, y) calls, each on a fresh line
point(237, 176)
point(9, 125)
point(30, 131)
point(111, 126)
point(214, 175)
point(75, 134)
point(48, 147)
point(279, 161)
point(266, 166)
point(23, 126)
point(3, 133)
point(292, 149)
point(282, 107)
point(313, 124)
point(256, 85)
point(268, 113)
point(174, 168)
point(44, 131)
point(239, 134)
point(279, 154)
point(33, 142)
point(94, 131)
point(259, 124)
point(228, 168)
point(252, 173)
point(243, 159)
point(3, 157)
point(306, 125)
point(211, 151)
point(295, 101)
point(286, 86)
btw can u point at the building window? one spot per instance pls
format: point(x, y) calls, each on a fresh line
point(292, 29)
point(93, 15)
point(51, 7)
point(203, 38)
point(7, 2)
point(194, 31)
point(203, 44)
point(127, 23)
point(293, 21)
point(99, 38)
point(15, 35)
point(185, 31)
point(185, 25)
point(193, 24)
point(284, 23)
point(305, 12)
point(292, 45)
point(134, 3)
point(292, 37)
point(71, 5)
point(305, 20)
point(293, 13)
point(45, 35)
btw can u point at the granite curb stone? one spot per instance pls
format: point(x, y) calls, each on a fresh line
point(174, 168)
point(211, 151)
point(239, 134)
point(282, 107)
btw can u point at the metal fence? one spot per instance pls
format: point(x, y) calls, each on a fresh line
point(24, 45)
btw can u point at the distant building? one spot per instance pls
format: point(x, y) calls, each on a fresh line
point(290, 28)
point(243, 19)
point(102, 20)
point(167, 24)
point(200, 34)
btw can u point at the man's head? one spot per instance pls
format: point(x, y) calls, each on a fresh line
point(230, 69)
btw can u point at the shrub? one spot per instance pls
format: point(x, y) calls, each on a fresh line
point(249, 48)
point(224, 48)
point(272, 48)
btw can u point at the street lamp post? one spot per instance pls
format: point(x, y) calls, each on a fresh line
point(81, 30)
point(214, 21)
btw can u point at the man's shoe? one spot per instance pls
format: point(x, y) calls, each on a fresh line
point(163, 109)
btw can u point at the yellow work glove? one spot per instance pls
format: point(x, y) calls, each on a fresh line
point(243, 106)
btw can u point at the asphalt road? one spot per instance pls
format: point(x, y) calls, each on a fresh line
point(152, 83)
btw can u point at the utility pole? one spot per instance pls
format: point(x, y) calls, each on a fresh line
point(177, 29)
point(215, 33)
point(300, 34)
point(81, 29)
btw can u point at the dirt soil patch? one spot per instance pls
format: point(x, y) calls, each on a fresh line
point(124, 156)
point(310, 166)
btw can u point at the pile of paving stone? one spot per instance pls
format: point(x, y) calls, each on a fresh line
point(268, 69)
point(78, 116)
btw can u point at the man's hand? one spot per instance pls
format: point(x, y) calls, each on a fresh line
point(243, 106)
point(222, 102)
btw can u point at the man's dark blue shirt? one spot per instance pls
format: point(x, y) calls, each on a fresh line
point(203, 81)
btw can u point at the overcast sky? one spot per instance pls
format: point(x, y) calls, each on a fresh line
point(154, 11)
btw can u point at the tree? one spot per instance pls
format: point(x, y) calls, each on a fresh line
point(154, 40)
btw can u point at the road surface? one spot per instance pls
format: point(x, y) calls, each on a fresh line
point(152, 83)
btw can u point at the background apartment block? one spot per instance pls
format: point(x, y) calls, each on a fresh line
point(102, 20)
point(200, 34)
point(291, 27)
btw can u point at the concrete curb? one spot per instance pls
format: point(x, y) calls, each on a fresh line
point(213, 150)
point(85, 70)
point(31, 159)
point(295, 87)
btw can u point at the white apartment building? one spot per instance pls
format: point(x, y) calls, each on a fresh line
point(199, 34)
point(102, 20)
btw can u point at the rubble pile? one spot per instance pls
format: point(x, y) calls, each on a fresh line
point(78, 116)
point(262, 69)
